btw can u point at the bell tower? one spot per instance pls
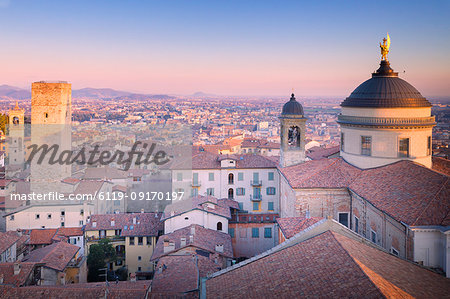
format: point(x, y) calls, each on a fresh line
point(16, 136)
point(293, 129)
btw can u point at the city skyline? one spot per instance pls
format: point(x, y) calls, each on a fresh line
point(227, 48)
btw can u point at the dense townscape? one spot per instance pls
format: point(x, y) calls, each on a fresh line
point(250, 195)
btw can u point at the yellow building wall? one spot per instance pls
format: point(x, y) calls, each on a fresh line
point(145, 251)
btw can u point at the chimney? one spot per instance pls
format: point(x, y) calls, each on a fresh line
point(307, 214)
point(62, 278)
point(156, 215)
point(183, 242)
point(169, 246)
point(142, 211)
point(16, 268)
point(134, 220)
point(133, 277)
point(1, 278)
point(219, 247)
point(94, 224)
point(191, 239)
point(192, 230)
point(113, 223)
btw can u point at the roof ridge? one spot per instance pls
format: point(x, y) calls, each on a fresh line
point(432, 200)
point(280, 247)
point(354, 261)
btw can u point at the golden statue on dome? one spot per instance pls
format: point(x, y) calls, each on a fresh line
point(385, 47)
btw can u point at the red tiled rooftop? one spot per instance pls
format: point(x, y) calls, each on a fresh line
point(147, 224)
point(293, 225)
point(405, 190)
point(204, 238)
point(7, 240)
point(7, 271)
point(42, 236)
point(180, 274)
point(328, 265)
point(56, 256)
point(123, 289)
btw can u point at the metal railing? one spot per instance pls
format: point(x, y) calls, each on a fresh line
point(256, 183)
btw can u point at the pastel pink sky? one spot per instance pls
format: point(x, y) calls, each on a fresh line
point(234, 50)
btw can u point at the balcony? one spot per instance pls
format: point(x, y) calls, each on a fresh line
point(256, 197)
point(256, 183)
point(111, 238)
point(387, 121)
point(254, 218)
point(196, 184)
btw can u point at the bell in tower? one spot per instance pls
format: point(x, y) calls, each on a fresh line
point(293, 128)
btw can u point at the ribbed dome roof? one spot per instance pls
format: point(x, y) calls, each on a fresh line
point(385, 90)
point(292, 107)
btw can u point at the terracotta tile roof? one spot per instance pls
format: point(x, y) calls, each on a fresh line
point(395, 277)
point(42, 236)
point(206, 160)
point(70, 231)
point(88, 187)
point(203, 238)
point(180, 274)
point(56, 256)
point(119, 188)
point(441, 165)
point(7, 240)
point(123, 289)
point(147, 224)
point(323, 173)
point(220, 207)
point(405, 190)
point(328, 265)
point(293, 225)
point(104, 173)
point(48, 235)
point(7, 271)
point(315, 153)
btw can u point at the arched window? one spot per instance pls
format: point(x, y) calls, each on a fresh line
point(219, 225)
point(230, 193)
point(230, 179)
point(294, 136)
point(15, 120)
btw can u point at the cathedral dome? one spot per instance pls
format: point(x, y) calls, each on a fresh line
point(292, 107)
point(385, 90)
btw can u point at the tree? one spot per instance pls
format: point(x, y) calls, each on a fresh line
point(3, 122)
point(99, 255)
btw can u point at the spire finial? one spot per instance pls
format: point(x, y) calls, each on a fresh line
point(385, 47)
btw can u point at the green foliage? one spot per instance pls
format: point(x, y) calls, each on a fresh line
point(99, 255)
point(3, 122)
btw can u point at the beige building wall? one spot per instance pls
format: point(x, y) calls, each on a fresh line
point(144, 251)
point(385, 146)
point(34, 217)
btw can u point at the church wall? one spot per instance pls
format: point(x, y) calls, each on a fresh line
point(287, 198)
point(389, 232)
point(384, 146)
point(321, 202)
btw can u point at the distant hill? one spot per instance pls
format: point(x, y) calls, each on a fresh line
point(200, 94)
point(11, 92)
point(16, 93)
